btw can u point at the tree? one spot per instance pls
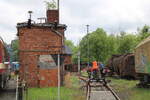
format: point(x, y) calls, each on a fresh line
point(51, 5)
point(15, 50)
point(127, 43)
point(100, 46)
point(74, 49)
point(70, 44)
point(75, 54)
point(144, 32)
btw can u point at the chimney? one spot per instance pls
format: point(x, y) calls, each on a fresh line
point(52, 16)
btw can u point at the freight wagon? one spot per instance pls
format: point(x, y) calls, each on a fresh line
point(122, 65)
point(142, 62)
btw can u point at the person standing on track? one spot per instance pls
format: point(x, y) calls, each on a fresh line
point(101, 65)
point(95, 65)
point(94, 70)
point(103, 72)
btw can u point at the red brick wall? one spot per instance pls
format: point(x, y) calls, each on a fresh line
point(52, 16)
point(39, 39)
point(50, 79)
point(30, 41)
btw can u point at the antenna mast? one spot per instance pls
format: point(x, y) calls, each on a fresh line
point(30, 14)
point(29, 20)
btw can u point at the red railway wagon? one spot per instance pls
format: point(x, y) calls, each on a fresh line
point(3, 68)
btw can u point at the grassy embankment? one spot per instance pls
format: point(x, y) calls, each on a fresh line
point(69, 92)
point(127, 90)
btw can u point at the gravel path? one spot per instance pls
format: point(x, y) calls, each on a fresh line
point(101, 93)
point(9, 93)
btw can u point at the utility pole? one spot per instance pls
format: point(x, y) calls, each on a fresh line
point(58, 5)
point(88, 52)
point(58, 64)
point(29, 20)
point(79, 68)
point(17, 87)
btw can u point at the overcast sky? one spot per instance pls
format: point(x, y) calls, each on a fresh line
point(111, 15)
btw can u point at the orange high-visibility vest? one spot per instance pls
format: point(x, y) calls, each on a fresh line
point(95, 66)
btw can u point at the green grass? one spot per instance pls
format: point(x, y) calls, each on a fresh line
point(127, 90)
point(121, 84)
point(140, 94)
point(70, 92)
point(75, 82)
point(51, 94)
point(84, 73)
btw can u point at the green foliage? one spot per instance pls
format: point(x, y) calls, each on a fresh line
point(15, 50)
point(127, 43)
point(75, 54)
point(74, 49)
point(51, 5)
point(100, 44)
point(144, 32)
point(70, 44)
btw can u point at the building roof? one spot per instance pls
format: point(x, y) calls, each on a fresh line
point(25, 24)
point(143, 42)
point(49, 25)
point(68, 50)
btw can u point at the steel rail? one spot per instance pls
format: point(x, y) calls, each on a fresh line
point(113, 92)
point(89, 86)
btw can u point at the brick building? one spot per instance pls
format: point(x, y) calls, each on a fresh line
point(39, 46)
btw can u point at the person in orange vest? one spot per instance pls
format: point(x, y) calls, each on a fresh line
point(93, 71)
point(94, 66)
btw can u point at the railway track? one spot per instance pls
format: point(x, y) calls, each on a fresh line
point(97, 90)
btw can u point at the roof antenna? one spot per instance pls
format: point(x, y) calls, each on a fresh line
point(30, 13)
point(29, 20)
